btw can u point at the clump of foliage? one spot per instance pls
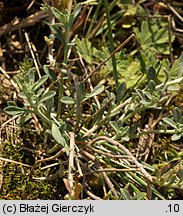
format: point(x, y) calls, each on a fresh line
point(103, 139)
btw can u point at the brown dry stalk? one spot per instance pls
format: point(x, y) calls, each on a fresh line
point(110, 56)
point(71, 163)
point(58, 154)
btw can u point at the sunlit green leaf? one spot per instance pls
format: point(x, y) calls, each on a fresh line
point(85, 49)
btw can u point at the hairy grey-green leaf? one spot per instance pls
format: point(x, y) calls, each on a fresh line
point(151, 74)
point(177, 114)
point(74, 14)
point(152, 86)
point(14, 110)
point(170, 122)
point(40, 82)
point(96, 91)
point(49, 105)
point(11, 103)
point(121, 91)
point(59, 15)
point(175, 137)
point(67, 100)
point(140, 93)
point(114, 125)
point(56, 133)
point(47, 96)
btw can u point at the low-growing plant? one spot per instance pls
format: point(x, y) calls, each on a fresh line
point(89, 129)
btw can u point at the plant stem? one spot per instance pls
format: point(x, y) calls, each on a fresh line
point(61, 82)
point(115, 73)
point(60, 93)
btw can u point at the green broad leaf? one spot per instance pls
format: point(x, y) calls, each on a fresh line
point(177, 114)
point(56, 133)
point(151, 74)
point(68, 100)
point(27, 89)
point(175, 137)
point(96, 91)
point(14, 110)
point(11, 103)
point(121, 92)
point(152, 86)
point(47, 96)
point(170, 122)
point(51, 73)
point(40, 82)
point(162, 36)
